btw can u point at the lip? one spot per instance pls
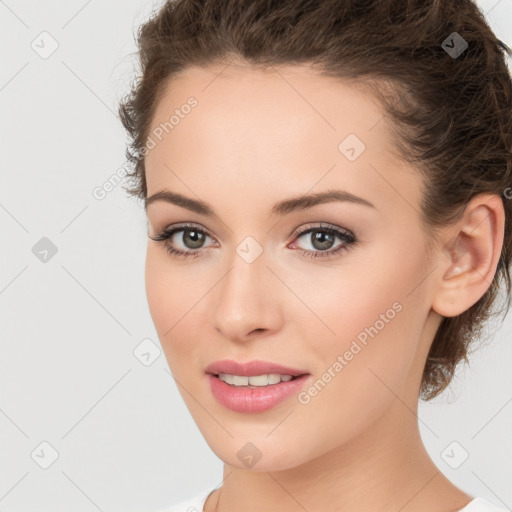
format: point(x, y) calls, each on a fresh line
point(254, 400)
point(251, 368)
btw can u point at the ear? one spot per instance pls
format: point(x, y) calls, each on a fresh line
point(470, 255)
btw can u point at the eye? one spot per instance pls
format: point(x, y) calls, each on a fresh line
point(192, 239)
point(322, 238)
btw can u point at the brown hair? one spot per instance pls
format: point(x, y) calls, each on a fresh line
point(436, 66)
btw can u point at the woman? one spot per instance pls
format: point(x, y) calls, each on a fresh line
point(327, 187)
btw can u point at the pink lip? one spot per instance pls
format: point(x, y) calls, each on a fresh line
point(253, 400)
point(251, 368)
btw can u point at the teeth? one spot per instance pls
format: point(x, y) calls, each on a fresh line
point(254, 381)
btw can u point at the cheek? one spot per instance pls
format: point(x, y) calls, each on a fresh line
point(364, 367)
point(166, 294)
point(159, 287)
point(171, 289)
point(173, 293)
point(371, 320)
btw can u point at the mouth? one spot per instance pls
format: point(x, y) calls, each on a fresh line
point(240, 396)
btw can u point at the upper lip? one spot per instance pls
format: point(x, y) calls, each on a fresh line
point(251, 368)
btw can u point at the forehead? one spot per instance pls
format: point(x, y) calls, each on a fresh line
point(285, 127)
point(283, 104)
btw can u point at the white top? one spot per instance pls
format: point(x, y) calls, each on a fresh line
point(196, 503)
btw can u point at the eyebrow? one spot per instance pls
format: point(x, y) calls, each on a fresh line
point(282, 208)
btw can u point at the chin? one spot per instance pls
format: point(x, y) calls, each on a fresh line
point(253, 453)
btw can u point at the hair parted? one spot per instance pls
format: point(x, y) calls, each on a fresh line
point(451, 115)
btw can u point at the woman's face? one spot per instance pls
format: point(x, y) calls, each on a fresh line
point(358, 320)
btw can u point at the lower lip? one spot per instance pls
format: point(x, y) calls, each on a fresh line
point(251, 400)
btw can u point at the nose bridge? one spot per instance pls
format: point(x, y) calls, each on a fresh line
point(246, 281)
point(244, 301)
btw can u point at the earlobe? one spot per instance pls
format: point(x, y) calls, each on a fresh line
point(470, 257)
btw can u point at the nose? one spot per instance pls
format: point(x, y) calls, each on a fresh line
point(248, 300)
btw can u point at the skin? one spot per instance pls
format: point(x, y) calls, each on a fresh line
point(256, 138)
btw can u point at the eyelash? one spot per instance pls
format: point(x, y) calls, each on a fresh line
point(349, 240)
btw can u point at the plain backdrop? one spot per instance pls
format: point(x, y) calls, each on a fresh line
point(86, 423)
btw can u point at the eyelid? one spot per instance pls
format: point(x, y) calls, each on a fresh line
point(321, 225)
point(183, 226)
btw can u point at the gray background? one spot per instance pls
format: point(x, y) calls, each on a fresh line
point(70, 325)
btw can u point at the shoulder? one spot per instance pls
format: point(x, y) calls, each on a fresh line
point(479, 504)
point(193, 504)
